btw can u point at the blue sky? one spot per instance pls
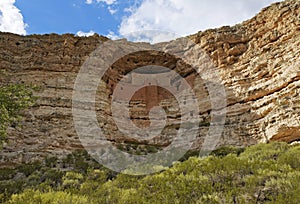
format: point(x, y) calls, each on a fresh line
point(70, 16)
point(116, 18)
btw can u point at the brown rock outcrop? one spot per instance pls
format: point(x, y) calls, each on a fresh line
point(258, 61)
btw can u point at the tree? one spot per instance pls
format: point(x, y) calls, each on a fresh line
point(13, 99)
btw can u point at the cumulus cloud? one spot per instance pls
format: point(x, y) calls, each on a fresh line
point(11, 19)
point(85, 34)
point(108, 2)
point(188, 16)
point(152, 36)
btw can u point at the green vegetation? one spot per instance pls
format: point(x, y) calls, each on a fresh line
point(138, 149)
point(264, 173)
point(13, 99)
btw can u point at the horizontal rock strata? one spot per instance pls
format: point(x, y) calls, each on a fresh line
point(257, 62)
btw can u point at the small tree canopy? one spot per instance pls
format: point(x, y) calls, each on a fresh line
point(13, 99)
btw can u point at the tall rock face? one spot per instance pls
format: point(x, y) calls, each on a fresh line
point(257, 60)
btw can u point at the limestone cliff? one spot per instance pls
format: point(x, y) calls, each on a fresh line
point(258, 61)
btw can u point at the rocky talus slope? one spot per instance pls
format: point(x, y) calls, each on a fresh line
point(257, 60)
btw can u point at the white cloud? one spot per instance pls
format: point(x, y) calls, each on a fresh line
point(108, 2)
point(152, 36)
point(112, 35)
point(11, 19)
point(188, 16)
point(84, 34)
point(112, 11)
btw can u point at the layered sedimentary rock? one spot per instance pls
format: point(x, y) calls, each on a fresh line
point(257, 62)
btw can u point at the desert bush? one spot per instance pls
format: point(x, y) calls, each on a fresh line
point(72, 180)
point(28, 169)
point(265, 173)
point(223, 151)
point(30, 197)
point(291, 157)
point(7, 173)
point(264, 151)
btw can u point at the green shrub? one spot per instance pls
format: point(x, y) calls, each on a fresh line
point(188, 154)
point(264, 151)
point(28, 169)
point(7, 173)
point(291, 157)
point(284, 189)
point(30, 197)
point(72, 180)
point(51, 162)
point(7, 188)
point(264, 173)
point(223, 151)
point(53, 176)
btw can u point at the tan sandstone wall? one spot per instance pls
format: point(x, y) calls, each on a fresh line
point(258, 61)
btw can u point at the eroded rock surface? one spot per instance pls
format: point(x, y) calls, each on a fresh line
point(258, 62)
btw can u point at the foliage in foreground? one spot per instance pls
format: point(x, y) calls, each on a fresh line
point(264, 173)
point(13, 99)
